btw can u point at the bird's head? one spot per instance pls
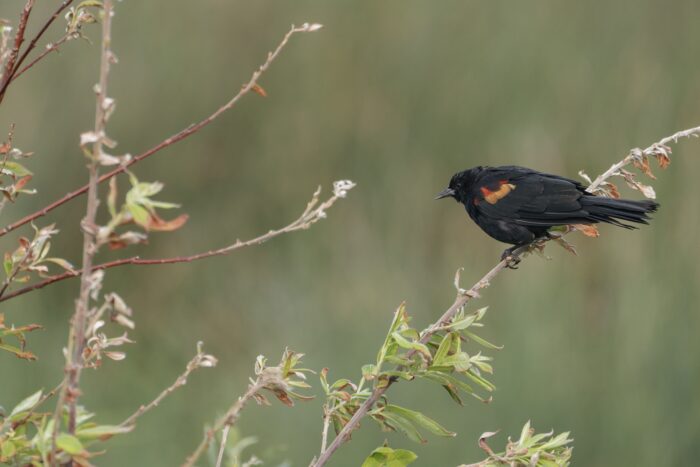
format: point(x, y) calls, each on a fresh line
point(460, 184)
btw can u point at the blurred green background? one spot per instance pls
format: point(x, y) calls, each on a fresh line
point(397, 96)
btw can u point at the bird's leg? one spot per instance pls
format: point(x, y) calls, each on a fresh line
point(511, 260)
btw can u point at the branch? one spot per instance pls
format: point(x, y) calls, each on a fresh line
point(227, 420)
point(190, 130)
point(279, 380)
point(49, 48)
point(312, 214)
point(660, 147)
point(9, 68)
point(76, 338)
point(464, 296)
point(7, 79)
point(201, 360)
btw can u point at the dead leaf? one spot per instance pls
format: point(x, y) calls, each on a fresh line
point(482, 441)
point(643, 165)
point(22, 182)
point(156, 223)
point(283, 397)
point(26, 356)
point(612, 190)
point(664, 160)
point(646, 190)
point(588, 230)
point(257, 89)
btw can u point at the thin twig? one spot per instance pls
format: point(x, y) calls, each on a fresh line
point(190, 130)
point(201, 360)
point(463, 298)
point(31, 411)
point(49, 48)
point(326, 426)
point(8, 79)
point(9, 279)
point(76, 344)
point(222, 447)
point(14, 53)
point(633, 154)
point(311, 215)
point(229, 419)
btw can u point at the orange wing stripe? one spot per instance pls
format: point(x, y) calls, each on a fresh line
point(492, 197)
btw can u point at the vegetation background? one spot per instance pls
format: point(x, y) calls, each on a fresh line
point(397, 96)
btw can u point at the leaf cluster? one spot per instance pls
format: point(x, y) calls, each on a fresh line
point(531, 449)
point(26, 436)
point(436, 355)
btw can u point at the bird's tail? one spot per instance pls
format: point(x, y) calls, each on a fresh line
point(613, 211)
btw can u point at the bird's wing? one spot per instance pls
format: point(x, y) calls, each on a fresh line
point(529, 198)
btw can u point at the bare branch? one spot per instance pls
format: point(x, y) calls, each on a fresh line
point(635, 153)
point(8, 78)
point(76, 339)
point(227, 420)
point(201, 360)
point(278, 380)
point(312, 214)
point(53, 47)
point(464, 296)
point(14, 53)
point(190, 130)
point(222, 447)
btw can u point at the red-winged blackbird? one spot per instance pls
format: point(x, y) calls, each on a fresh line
point(517, 205)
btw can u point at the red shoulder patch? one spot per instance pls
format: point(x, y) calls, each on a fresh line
point(493, 196)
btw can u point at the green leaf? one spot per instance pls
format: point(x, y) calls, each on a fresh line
point(387, 457)
point(112, 198)
point(341, 383)
point(447, 379)
point(412, 345)
point(481, 341)
point(14, 168)
point(8, 450)
point(60, 262)
point(88, 3)
point(369, 371)
point(27, 404)
point(397, 360)
point(419, 419)
point(163, 204)
point(402, 457)
point(444, 348)
point(559, 441)
point(69, 444)
point(8, 264)
point(405, 426)
point(141, 215)
point(459, 361)
point(102, 432)
point(463, 323)
point(479, 380)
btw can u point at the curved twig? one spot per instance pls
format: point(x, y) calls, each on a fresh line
point(313, 213)
point(190, 130)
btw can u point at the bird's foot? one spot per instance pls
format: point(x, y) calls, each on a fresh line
point(511, 259)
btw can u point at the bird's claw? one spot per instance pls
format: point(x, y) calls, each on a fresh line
point(512, 261)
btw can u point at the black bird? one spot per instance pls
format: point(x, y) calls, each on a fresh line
point(518, 205)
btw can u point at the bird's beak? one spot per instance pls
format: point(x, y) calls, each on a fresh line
point(445, 193)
